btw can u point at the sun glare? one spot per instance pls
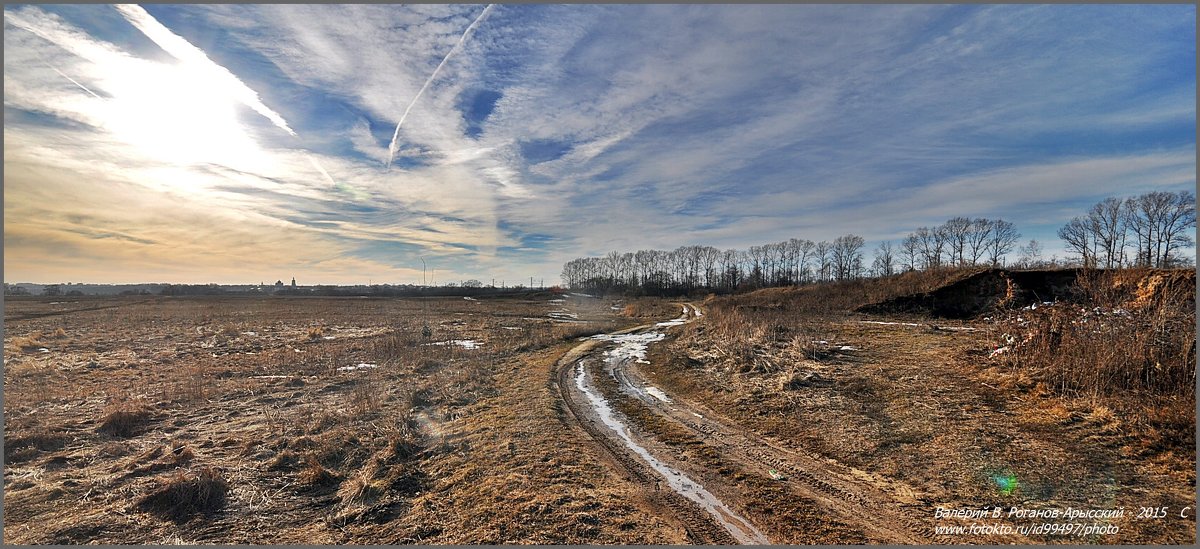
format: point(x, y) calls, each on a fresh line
point(178, 114)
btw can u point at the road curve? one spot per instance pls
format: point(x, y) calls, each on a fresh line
point(884, 511)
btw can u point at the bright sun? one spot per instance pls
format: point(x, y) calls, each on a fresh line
point(177, 113)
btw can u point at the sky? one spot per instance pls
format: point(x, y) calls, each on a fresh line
point(246, 143)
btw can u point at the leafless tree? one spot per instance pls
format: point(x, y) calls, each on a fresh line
point(1000, 240)
point(979, 235)
point(1077, 235)
point(1107, 220)
point(1031, 254)
point(910, 251)
point(885, 259)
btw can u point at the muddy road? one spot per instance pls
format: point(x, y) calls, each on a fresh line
point(638, 428)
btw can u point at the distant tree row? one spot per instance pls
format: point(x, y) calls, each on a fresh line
point(1139, 231)
point(688, 268)
point(959, 242)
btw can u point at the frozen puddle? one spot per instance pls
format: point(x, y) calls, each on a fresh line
point(632, 347)
point(676, 322)
point(464, 343)
point(654, 392)
point(741, 529)
point(359, 366)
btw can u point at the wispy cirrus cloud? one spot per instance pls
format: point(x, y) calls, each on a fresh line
point(557, 131)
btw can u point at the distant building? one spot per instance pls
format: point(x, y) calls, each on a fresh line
point(278, 284)
point(293, 282)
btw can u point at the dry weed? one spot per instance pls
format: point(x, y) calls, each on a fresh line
point(183, 495)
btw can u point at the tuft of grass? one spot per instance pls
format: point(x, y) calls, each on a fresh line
point(315, 333)
point(316, 475)
point(31, 342)
point(125, 418)
point(184, 495)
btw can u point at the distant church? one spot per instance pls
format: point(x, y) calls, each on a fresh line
point(279, 284)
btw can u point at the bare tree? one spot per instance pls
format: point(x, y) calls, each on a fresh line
point(847, 256)
point(910, 251)
point(1031, 254)
point(978, 237)
point(956, 231)
point(1001, 239)
point(1077, 236)
point(821, 254)
point(885, 259)
point(1107, 221)
point(1178, 217)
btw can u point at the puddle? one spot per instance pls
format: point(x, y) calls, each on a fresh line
point(676, 322)
point(742, 530)
point(464, 343)
point(656, 393)
point(359, 366)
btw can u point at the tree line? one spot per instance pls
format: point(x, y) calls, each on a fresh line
point(959, 241)
point(1140, 231)
point(1144, 231)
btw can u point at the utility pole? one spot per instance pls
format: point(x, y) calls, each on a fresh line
point(422, 270)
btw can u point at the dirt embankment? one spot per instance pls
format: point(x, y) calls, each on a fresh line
point(1000, 289)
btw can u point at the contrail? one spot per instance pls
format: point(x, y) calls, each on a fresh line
point(73, 81)
point(461, 40)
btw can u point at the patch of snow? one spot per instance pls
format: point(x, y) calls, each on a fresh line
point(510, 327)
point(562, 315)
point(559, 300)
point(43, 350)
point(359, 366)
point(891, 323)
point(656, 393)
point(250, 333)
point(469, 298)
point(327, 337)
point(583, 295)
point(616, 307)
point(847, 348)
point(271, 377)
point(464, 343)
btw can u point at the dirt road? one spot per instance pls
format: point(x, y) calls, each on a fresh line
point(709, 496)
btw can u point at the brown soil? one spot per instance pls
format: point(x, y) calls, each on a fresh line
point(216, 420)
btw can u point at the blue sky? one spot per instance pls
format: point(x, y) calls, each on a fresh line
point(239, 143)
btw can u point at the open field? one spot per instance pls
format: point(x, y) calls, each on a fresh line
point(342, 420)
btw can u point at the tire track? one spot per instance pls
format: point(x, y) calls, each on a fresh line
point(699, 526)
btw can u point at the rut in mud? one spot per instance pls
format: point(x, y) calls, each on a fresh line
point(713, 507)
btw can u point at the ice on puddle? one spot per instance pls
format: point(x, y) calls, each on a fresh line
point(359, 366)
point(464, 343)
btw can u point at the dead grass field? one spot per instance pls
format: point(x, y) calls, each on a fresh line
point(226, 420)
point(335, 420)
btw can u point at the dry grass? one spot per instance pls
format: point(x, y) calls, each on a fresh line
point(183, 495)
point(314, 333)
point(125, 417)
point(1118, 342)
